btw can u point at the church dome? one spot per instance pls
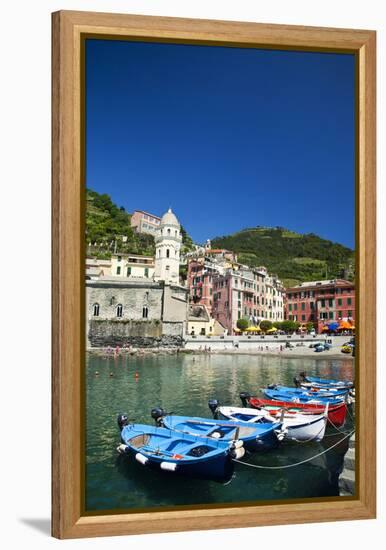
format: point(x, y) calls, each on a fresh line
point(169, 218)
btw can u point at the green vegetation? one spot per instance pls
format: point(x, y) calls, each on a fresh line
point(108, 229)
point(293, 257)
point(265, 325)
point(289, 326)
point(242, 324)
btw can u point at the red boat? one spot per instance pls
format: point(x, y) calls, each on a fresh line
point(336, 413)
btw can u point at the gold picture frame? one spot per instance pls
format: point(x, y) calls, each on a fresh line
point(69, 29)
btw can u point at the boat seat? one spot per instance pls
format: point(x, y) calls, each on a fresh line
point(245, 432)
point(140, 440)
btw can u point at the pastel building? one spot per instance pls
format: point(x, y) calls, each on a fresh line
point(143, 222)
point(132, 265)
point(203, 265)
point(246, 293)
point(321, 302)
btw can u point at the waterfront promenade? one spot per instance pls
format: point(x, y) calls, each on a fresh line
point(273, 344)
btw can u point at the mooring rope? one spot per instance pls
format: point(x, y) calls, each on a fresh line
point(296, 463)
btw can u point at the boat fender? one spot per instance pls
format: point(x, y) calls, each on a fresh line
point(122, 449)
point(142, 459)
point(215, 435)
point(237, 444)
point(280, 434)
point(168, 466)
point(122, 421)
point(238, 453)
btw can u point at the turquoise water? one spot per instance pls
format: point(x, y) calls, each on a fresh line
point(184, 384)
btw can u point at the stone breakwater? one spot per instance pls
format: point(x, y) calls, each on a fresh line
point(135, 334)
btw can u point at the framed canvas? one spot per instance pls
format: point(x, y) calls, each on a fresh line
point(264, 134)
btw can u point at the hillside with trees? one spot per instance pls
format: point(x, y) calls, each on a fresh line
point(108, 229)
point(292, 256)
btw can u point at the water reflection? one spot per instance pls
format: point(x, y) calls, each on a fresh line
point(184, 384)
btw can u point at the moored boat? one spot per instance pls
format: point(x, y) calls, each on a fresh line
point(257, 437)
point(165, 450)
point(302, 397)
point(320, 392)
point(316, 382)
point(336, 413)
point(295, 426)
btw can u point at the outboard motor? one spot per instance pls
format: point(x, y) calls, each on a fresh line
point(157, 414)
point(245, 397)
point(122, 421)
point(271, 386)
point(213, 404)
point(296, 382)
point(303, 375)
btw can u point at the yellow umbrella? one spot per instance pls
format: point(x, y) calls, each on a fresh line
point(253, 329)
point(237, 329)
point(271, 330)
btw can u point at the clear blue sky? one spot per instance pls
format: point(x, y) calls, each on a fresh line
point(229, 137)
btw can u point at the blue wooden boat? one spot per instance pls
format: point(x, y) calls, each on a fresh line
point(321, 392)
point(259, 437)
point(164, 450)
point(301, 397)
point(314, 381)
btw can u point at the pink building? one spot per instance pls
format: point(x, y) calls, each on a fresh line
point(321, 302)
point(246, 293)
point(143, 222)
point(200, 283)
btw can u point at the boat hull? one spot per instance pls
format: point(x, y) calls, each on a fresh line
point(296, 427)
point(179, 454)
point(336, 413)
point(220, 467)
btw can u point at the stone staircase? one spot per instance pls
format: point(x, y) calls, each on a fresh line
point(347, 477)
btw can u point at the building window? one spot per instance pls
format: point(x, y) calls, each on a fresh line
point(146, 272)
point(322, 303)
point(119, 270)
point(340, 314)
point(145, 312)
point(289, 307)
point(303, 317)
point(95, 310)
point(112, 300)
point(128, 271)
point(339, 301)
point(330, 314)
point(349, 301)
point(303, 306)
point(168, 231)
point(330, 303)
point(167, 253)
point(119, 258)
point(202, 331)
point(119, 310)
point(349, 313)
point(295, 307)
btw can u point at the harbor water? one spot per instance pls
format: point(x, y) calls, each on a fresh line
point(183, 384)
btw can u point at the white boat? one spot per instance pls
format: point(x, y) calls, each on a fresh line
point(295, 427)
